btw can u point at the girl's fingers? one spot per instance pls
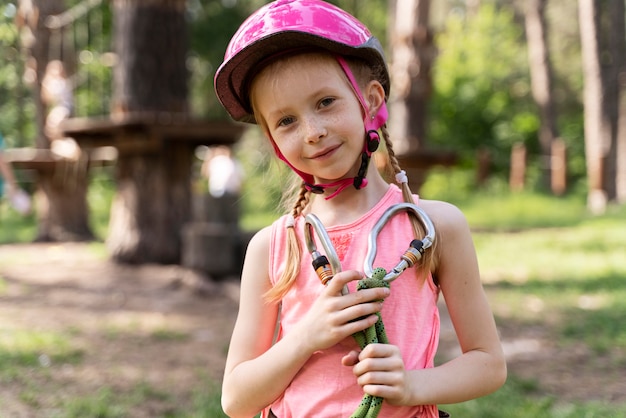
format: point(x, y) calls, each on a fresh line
point(341, 279)
point(350, 359)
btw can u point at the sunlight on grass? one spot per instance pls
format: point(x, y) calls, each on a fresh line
point(524, 399)
point(26, 348)
point(571, 277)
point(592, 249)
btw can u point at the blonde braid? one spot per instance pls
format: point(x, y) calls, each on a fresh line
point(428, 259)
point(293, 251)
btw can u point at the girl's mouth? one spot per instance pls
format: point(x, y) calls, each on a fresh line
point(325, 153)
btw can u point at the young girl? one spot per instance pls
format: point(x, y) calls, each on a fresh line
point(315, 80)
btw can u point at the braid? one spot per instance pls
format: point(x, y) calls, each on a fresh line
point(293, 251)
point(407, 195)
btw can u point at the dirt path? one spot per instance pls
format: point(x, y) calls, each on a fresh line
point(148, 325)
point(162, 327)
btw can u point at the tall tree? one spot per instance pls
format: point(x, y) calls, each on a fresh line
point(541, 79)
point(616, 89)
point(412, 56)
point(595, 128)
point(602, 41)
point(150, 84)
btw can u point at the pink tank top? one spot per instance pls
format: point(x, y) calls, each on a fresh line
point(324, 387)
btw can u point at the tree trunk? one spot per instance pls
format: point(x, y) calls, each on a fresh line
point(153, 197)
point(615, 93)
point(602, 30)
point(61, 198)
point(151, 206)
point(64, 190)
point(412, 58)
point(541, 80)
point(597, 133)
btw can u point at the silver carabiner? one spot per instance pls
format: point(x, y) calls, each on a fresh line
point(321, 262)
point(413, 253)
point(326, 266)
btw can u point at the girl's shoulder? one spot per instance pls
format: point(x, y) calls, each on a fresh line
point(446, 217)
point(259, 244)
point(270, 239)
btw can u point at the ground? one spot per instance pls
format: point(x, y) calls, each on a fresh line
point(167, 329)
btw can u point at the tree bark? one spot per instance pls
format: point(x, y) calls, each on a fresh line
point(151, 205)
point(596, 133)
point(541, 80)
point(151, 42)
point(412, 58)
point(153, 196)
point(603, 41)
point(616, 96)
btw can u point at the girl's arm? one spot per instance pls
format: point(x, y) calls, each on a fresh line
point(258, 372)
point(481, 369)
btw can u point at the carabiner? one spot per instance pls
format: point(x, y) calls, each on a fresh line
point(413, 253)
point(325, 266)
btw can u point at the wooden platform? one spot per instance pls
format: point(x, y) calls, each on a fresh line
point(149, 132)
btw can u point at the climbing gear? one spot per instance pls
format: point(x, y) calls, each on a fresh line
point(413, 253)
point(327, 266)
point(290, 26)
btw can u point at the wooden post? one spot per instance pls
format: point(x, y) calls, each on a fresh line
point(558, 162)
point(484, 165)
point(518, 167)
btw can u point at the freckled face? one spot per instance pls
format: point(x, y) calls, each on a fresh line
point(308, 107)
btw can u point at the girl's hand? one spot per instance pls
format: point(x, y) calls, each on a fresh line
point(333, 316)
point(380, 371)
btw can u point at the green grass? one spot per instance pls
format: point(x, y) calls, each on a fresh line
point(21, 349)
point(525, 399)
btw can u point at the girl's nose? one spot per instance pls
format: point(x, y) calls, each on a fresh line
point(315, 130)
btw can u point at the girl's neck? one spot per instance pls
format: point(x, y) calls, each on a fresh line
point(350, 204)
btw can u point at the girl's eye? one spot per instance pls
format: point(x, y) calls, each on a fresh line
point(326, 102)
point(286, 121)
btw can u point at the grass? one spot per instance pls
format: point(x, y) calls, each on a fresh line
point(525, 399)
point(550, 263)
point(544, 260)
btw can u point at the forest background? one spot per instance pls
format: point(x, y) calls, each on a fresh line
point(482, 96)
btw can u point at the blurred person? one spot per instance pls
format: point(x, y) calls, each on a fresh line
point(224, 173)
point(56, 93)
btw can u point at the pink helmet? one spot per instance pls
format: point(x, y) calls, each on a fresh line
point(284, 25)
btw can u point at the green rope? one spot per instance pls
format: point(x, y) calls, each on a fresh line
point(370, 405)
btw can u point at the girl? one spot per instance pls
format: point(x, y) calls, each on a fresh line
point(315, 80)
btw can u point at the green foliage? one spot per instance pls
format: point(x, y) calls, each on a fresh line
point(99, 198)
point(265, 181)
point(481, 87)
point(14, 227)
point(17, 114)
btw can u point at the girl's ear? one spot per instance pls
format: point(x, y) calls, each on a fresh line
point(375, 94)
